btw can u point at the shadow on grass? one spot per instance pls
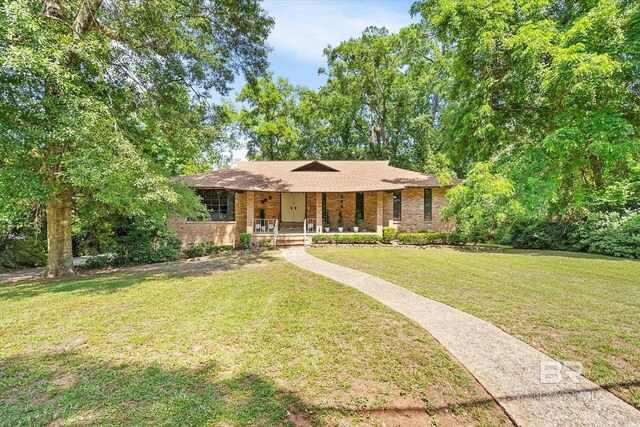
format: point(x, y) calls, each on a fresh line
point(67, 388)
point(112, 280)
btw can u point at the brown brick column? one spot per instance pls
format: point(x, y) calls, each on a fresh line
point(250, 209)
point(379, 211)
point(319, 223)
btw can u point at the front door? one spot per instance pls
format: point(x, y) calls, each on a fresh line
point(292, 207)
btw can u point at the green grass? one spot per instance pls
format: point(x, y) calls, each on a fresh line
point(235, 341)
point(572, 306)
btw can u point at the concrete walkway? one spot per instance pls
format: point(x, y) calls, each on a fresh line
point(533, 388)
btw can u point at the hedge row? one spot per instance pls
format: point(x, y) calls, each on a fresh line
point(358, 238)
point(431, 238)
point(204, 248)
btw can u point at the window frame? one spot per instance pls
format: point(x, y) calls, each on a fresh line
point(324, 204)
point(359, 204)
point(397, 197)
point(429, 191)
point(216, 200)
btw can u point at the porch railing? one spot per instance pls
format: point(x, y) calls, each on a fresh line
point(308, 227)
point(265, 226)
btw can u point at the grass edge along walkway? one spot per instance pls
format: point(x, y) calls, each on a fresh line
point(509, 369)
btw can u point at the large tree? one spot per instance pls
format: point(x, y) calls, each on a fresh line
point(269, 118)
point(548, 93)
point(108, 99)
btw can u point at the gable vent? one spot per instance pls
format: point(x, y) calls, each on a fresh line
point(314, 166)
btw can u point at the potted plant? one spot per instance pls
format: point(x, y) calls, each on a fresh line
point(356, 222)
point(325, 220)
point(263, 216)
point(340, 222)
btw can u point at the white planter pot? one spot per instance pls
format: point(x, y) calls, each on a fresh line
point(262, 228)
point(355, 229)
point(257, 228)
point(326, 229)
point(340, 229)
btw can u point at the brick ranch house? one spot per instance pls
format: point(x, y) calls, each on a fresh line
point(288, 200)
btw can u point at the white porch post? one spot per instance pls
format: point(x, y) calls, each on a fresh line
point(379, 212)
point(250, 213)
point(319, 223)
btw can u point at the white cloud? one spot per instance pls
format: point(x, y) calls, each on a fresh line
point(304, 28)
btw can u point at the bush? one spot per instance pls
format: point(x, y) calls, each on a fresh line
point(245, 240)
point(543, 234)
point(141, 241)
point(612, 234)
point(431, 238)
point(388, 234)
point(23, 250)
point(204, 249)
point(606, 233)
point(360, 238)
point(264, 242)
point(98, 262)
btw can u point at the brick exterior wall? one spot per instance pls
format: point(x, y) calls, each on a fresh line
point(216, 232)
point(241, 216)
point(271, 207)
point(412, 215)
point(311, 205)
point(387, 208)
point(346, 202)
point(227, 232)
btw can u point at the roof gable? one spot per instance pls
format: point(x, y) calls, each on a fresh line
point(314, 166)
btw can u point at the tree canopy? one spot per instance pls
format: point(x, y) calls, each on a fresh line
point(108, 100)
point(537, 103)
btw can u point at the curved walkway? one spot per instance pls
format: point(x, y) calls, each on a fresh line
point(534, 389)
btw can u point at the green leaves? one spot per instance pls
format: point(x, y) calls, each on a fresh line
point(111, 99)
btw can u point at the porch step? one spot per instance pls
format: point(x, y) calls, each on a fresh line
point(291, 240)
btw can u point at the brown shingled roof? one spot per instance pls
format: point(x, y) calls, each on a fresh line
point(311, 176)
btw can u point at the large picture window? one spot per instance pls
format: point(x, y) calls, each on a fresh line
point(219, 204)
point(397, 205)
point(428, 207)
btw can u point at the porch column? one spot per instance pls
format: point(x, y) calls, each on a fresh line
point(379, 211)
point(250, 213)
point(319, 223)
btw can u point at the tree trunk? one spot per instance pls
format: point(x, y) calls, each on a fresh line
point(60, 257)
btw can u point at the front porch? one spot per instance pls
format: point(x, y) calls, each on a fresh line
point(283, 213)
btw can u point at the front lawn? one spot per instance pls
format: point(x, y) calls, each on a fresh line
point(572, 306)
point(238, 340)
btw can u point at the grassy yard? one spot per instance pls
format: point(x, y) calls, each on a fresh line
point(232, 341)
point(572, 306)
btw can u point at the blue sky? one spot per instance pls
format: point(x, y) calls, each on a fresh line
point(303, 28)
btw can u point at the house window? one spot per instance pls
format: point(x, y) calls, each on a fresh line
point(219, 204)
point(324, 203)
point(397, 205)
point(360, 204)
point(428, 209)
